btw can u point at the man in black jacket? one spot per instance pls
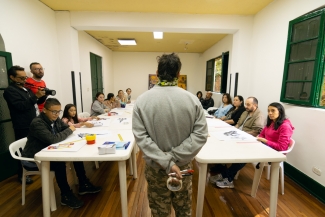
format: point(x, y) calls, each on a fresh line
point(208, 101)
point(22, 104)
point(47, 129)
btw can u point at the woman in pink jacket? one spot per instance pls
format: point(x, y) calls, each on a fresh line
point(278, 130)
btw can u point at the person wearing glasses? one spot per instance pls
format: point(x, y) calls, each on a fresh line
point(35, 82)
point(47, 129)
point(22, 104)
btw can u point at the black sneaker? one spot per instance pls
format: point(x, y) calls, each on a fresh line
point(71, 200)
point(88, 188)
point(28, 180)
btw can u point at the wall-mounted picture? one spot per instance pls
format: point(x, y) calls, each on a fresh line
point(153, 79)
point(182, 81)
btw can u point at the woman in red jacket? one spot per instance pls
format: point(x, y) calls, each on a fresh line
point(278, 130)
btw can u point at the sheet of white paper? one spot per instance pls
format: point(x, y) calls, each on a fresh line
point(58, 147)
point(233, 135)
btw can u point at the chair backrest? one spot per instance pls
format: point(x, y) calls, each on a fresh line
point(290, 147)
point(16, 147)
point(84, 115)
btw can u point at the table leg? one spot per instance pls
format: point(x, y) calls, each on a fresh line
point(274, 188)
point(123, 188)
point(45, 165)
point(201, 189)
point(257, 178)
point(134, 163)
point(130, 166)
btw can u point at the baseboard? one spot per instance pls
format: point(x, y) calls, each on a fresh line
point(310, 185)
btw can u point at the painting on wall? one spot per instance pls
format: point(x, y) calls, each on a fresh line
point(182, 81)
point(153, 79)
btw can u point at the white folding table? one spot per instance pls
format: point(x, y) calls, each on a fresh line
point(90, 153)
point(216, 151)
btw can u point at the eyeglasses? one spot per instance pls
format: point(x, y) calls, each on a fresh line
point(23, 78)
point(39, 69)
point(54, 112)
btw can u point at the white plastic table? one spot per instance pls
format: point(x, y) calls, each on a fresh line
point(90, 153)
point(216, 151)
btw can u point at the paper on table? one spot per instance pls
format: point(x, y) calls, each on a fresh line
point(122, 121)
point(233, 135)
point(101, 123)
point(83, 131)
point(66, 146)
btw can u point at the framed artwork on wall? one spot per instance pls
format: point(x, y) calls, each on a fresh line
point(182, 81)
point(152, 80)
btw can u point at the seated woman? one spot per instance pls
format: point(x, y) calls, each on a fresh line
point(276, 134)
point(235, 112)
point(128, 95)
point(70, 117)
point(278, 130)
point(98, 108)
point(225, 106)
point(199, 95)
point(120, 98)
point(111, 102)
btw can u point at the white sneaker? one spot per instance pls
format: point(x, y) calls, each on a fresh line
point(225, 184)
point(214, 179)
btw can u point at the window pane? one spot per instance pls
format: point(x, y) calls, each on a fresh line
point(301, 71)
point(306, 29)
point(298, 91)
point(217, 75)
point(3, 73)
point(304, 50)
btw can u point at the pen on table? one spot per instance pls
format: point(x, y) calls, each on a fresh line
point(119, 136)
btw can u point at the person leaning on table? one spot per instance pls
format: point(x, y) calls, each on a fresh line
point(98, 107)
point(169, 141)
point(251, 122)
point(47, 129)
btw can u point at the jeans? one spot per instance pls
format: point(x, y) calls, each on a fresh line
point(231, 172)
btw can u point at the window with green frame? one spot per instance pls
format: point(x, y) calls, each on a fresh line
point(217, 74)
point(303, 78)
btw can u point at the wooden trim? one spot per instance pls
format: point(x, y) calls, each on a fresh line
point(307, 183)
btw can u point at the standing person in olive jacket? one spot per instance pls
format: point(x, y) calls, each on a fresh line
point(47, 129)
point(22, 104)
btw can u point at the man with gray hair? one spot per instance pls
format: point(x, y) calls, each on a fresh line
point(170, 128)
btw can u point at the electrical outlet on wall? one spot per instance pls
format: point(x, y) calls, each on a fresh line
point(317, 171)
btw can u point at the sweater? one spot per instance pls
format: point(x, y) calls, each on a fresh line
point(222, 110)
point(278, 139)
point(169, 126)
point(97, 108)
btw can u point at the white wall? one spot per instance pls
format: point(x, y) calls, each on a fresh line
point(131, 71)
point(87, 44)
point(28, 29)
point(269, 46)
point(239, 26)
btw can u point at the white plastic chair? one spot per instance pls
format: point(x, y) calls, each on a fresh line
point(84, 115)
point(291, 145)
point(15, 152)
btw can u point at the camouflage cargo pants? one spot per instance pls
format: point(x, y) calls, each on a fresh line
point(161, 198)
